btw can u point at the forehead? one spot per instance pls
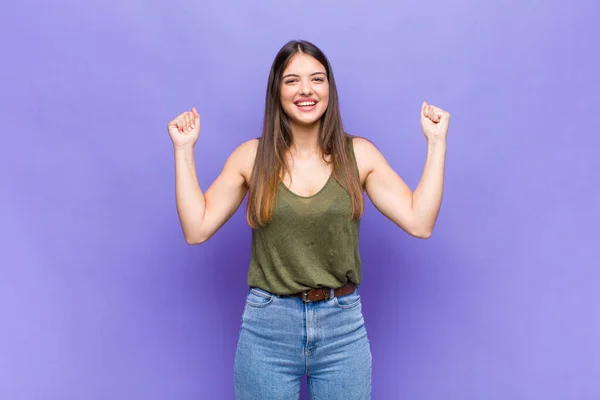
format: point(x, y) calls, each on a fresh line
point(302, 64)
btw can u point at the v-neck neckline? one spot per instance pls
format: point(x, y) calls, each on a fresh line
point(312, 195)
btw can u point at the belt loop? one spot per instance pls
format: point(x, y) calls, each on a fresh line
point(331, 293)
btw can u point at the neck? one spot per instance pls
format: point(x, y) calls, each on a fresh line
point(305, 139)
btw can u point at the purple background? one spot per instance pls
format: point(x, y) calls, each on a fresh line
point(100, 297)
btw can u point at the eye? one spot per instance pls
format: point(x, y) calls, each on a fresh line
point(319, 79)
point(288, 81)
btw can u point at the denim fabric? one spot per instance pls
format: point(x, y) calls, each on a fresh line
point(282, 338)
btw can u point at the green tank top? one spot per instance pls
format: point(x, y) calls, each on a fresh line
point(311, 242)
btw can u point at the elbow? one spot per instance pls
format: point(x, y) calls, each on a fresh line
point(195, 239)
point(421, 233)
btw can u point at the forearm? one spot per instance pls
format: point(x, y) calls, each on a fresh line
point(427, 197)
point(189, 197)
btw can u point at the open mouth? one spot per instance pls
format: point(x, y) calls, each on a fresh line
point(306, 105)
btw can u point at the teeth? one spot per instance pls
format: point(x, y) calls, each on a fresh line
point(306, 103)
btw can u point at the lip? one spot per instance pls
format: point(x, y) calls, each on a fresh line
point(306, 99)
point(306, 108)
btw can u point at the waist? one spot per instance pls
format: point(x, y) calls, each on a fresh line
point(318, 294)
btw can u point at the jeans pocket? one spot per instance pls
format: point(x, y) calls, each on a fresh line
point(259, 298)
point(350, 300)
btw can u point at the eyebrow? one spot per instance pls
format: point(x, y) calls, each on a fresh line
point(297, 76)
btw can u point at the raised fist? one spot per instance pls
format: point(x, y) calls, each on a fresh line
point(184, 129)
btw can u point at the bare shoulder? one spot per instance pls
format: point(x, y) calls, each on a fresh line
point(362, 145)
point(243, 157)
point(246, 149)
point(367, 155)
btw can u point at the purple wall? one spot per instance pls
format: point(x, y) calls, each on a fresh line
point(100, 297)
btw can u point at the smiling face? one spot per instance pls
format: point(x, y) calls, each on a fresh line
point(304, 90)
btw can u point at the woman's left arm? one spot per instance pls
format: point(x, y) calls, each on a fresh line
point(416, 212)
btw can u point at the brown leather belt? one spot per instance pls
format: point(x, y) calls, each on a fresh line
point(319, 294)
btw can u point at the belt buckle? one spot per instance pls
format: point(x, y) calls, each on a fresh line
point(305, 297)
point(326, 295)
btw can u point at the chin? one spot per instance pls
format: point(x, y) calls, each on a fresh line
point(305, 120)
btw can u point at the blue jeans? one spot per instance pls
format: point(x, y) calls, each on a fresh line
point(282, 339)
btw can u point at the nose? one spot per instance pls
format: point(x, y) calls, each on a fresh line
point(305, 88)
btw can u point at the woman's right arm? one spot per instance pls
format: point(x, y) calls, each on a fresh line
point(202, 214)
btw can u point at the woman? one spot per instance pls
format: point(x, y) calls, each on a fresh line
point(305, 180)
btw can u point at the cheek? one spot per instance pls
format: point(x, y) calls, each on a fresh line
point(286, 95)
point(324, 98)
point(324, 94)
point(285, 100)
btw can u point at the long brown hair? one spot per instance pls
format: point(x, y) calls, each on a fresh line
point(277, 138)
